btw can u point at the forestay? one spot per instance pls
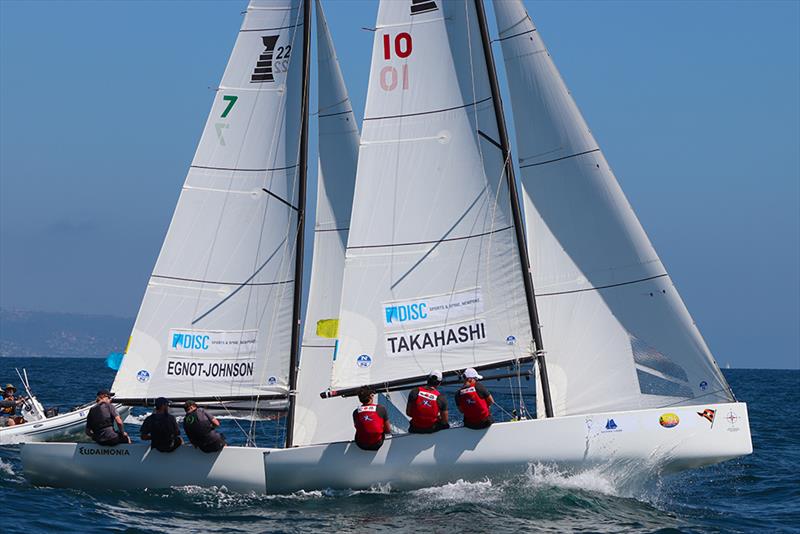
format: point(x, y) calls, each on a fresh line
point(618, 335)
point(215, 321)
point(317, 420)
point(432, 273)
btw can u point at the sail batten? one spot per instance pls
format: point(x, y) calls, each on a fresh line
point(618, 334)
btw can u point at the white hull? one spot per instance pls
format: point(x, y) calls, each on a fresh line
point(409, 461)
point(62, 427)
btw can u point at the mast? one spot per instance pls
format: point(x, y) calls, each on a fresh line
point(301, 207)
point(533, 313)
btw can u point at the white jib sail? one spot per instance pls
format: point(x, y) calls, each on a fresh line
point(432, 274)
point(317, 420)
point(617, 333)
point(215, 321)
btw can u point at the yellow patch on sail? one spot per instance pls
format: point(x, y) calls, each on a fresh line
point(328, 328)
point(128, 344)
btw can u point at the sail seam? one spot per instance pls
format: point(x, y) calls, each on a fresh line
point(428, 112)
point(242, 170)
point(220, 283)
point(602, 287)
point(434, 241)
point(515, 35)
point(331, 229)
point(559, 159)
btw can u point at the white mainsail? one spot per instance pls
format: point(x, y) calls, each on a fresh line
point(617, 333)
point(215, 322)
point(432, 273)
point(317, 420)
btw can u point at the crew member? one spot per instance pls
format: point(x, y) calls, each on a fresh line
point(8, 406)
point(473, 400)
point(161, 429)
point(199, 426)
point(371, 421)
point(426, 407)
point(101, 419)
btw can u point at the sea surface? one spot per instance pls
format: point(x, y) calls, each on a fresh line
point(758, 493)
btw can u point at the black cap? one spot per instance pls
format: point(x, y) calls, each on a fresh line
point(161, 401)
point(104, 393)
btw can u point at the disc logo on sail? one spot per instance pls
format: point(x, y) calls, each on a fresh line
point(213, 342)
point(437, 309)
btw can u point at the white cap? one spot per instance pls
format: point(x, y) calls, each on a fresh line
point(436, 373)
point(472, 373)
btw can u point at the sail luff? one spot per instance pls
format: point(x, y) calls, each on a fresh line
point(299, 249)
point(530, 295)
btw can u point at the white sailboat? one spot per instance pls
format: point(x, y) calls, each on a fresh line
point(436, 276)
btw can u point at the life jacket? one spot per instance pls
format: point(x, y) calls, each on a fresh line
point(197, 425)
point(474, 408)
point(99, 418)
point(9, 410)
point(425, 412)
point(369, 425)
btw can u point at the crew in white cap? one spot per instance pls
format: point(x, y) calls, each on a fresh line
point(473, 400)
point(426, 407)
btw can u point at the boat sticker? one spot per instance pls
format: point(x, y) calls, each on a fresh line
point(89, 451)
point(434, 339)
point(704, 385)
point(272, 380)
point(611, 426)
point(511, 340)
point(143, 376)
point(210, 369)
point(212, 341)
point(708, 414)
point(669, 420)
point(439, 309)
point(733, 421)
point(364, 361)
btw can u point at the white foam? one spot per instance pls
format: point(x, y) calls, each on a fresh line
point(462, 491)
point(6, 469)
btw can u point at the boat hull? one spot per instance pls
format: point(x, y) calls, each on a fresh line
point(62, 427)
point(662, 440)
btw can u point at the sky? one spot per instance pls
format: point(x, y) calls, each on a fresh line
point(695, 104)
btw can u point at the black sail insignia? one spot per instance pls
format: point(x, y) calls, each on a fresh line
point(422, 6)
point(263, 70)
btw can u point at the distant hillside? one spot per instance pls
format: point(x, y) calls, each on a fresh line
point(33, 333)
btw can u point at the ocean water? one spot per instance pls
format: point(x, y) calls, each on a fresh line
point(758, 493)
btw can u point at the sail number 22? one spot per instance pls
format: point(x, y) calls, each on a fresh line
point(389, 77)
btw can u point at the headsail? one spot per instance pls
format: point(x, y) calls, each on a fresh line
point(432, 273)
point(317, 420)
point(618, 334)
point(215, 322)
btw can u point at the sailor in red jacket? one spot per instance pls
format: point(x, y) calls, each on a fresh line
point(473, 400)
point(427, 408)
point(371, 421)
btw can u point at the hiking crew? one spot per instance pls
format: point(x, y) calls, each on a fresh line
point(426, 407)
point(161, 429)
point(199, 426)
point(371, 421)
point(473, 400)
point(101, 419)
